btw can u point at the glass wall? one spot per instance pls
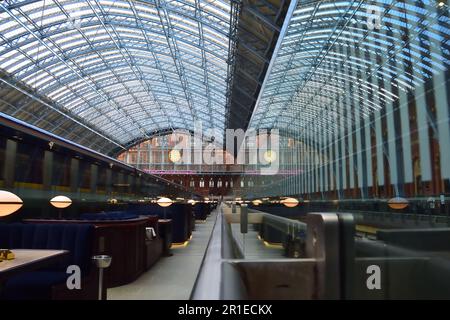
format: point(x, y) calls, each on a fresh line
point(363, 91)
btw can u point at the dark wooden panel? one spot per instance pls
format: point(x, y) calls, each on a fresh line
point(125, 242)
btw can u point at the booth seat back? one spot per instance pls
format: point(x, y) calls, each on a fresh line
point(271, 234)
point(76, 238)
point(112, 215)
point(280, 210)
point(181, 215)
point(201, 210)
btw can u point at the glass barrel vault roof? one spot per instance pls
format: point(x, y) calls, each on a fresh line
point(338, 55)
point(127, 68)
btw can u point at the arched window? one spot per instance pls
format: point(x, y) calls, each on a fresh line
point(202, 183)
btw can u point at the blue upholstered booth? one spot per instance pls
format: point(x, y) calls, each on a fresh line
point(111, 215)
point(201, 210)
point(271, 234)
point(181, 215)
point(281, 210)
point(76, 238)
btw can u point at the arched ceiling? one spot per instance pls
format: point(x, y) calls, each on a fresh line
point(120, 69)
point(107, 74)
point(350, 57)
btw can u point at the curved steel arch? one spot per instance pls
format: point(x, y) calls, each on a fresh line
point(28, 41)
point(126, 78)
point(28, 70)
point(55, 27)
point(157, 133)
point(186, 43)
point(51, 85)
point(331, 50)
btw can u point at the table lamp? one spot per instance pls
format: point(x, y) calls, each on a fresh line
point(164, 202)
point(9, 203)
point(397, 203)
point(256, 202)
point(60, 202)
point(290, 202)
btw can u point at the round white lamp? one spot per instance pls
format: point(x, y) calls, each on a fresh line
point(60, 202)
point(9, 203)
point(290, 202)
point(256, 202)
point(164, 202)
point(397, 203)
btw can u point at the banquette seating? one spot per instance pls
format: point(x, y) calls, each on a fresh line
point(201, 210)
point(268, 231)
point(270, 234)
point(111, 215)
point(125, 240)
point(50, 283)
point(91, 234)
point(280, 210)
point(181, 215)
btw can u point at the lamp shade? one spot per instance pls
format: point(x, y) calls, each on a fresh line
point(112, 201)
point(164, 202)
point(192, 201)
point(397, 203)
point(60, 202)
point(290, 202)
point(256, 202)
point(9, 203)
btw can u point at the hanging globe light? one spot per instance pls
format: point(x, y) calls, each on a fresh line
point(290, 202)
point(398, 203)
point(9, 203)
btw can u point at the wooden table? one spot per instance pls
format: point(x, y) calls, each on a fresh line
point(29, 260)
